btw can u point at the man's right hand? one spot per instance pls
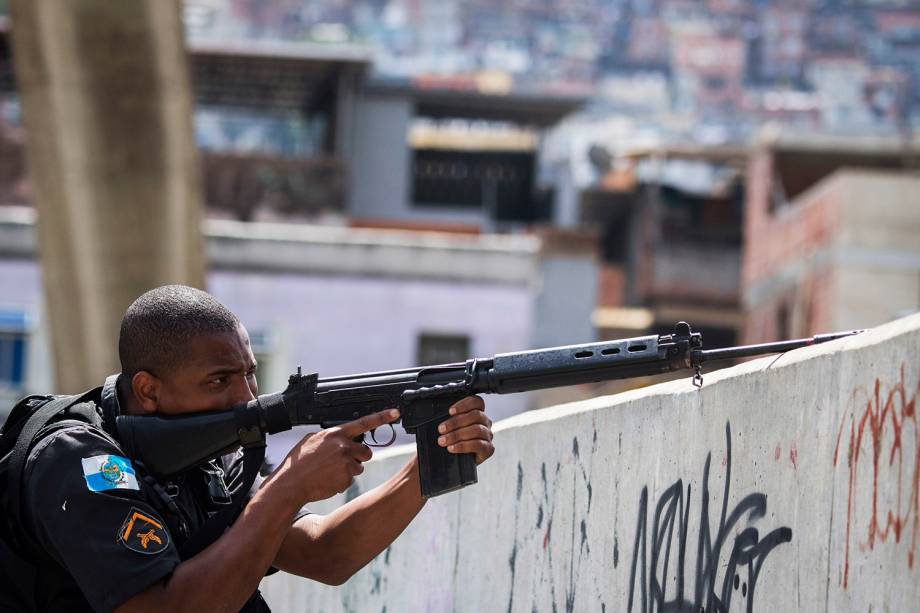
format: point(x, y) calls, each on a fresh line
point(325, 463)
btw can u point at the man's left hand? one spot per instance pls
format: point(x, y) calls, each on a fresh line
point(468, 430)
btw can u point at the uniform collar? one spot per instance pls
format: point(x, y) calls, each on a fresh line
point(110, 406)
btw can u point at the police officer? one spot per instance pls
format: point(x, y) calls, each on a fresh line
point(111, 534)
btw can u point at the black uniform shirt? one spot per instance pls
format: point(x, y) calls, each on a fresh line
point(105, 529)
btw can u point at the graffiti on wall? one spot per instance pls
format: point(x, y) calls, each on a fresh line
point(560, 573)
point(728, 560)
point(880, 438)
point(558, 530)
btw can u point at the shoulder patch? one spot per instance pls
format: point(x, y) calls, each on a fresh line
point(109, 472)
point(143, 532)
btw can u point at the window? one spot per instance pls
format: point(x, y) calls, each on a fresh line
point(442, 348)
point(497, 182)
point(13, 349)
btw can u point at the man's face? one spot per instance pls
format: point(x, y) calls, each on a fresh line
point(218, 372)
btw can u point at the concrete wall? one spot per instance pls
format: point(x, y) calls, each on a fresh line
point(378, 173)
point(565, 301)
point(788, 483)
point(566, 292)
point(878, 250)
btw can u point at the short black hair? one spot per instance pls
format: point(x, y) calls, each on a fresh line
point(156, 328)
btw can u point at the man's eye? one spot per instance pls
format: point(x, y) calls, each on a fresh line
point(218, 381)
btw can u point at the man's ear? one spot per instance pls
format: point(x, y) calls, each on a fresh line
point(146, 390)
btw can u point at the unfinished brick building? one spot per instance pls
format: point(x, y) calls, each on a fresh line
point(832, 236)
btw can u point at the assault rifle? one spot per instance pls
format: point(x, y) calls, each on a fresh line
point(170, 445)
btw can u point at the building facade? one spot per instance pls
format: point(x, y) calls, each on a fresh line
point(830, 238)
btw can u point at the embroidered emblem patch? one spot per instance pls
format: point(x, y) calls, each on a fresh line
point(143, 532)
point(109, 472)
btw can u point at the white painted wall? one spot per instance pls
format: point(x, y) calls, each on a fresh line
point(761, 487)
point(378, 176)
point(877, 252)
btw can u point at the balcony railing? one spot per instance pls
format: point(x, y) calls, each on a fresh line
point(239, 185)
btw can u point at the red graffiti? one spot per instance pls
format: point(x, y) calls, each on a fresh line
point(793, 455)
point(777, 453)
point(887, 419)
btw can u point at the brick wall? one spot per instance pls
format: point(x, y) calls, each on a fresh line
point(786, 280)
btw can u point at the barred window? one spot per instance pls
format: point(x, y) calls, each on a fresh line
point(442, 348)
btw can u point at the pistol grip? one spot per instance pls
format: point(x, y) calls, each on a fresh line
point(441, 471)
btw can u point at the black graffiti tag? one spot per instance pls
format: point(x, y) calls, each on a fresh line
point(654, 554)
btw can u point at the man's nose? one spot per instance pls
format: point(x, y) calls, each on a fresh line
point(241, 390)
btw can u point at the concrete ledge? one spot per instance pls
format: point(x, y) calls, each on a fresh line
point(503, 259)
point(788, 483)
point(17, 231)
point(334, 250)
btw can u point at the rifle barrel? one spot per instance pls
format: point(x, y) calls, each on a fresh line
point(709, 355)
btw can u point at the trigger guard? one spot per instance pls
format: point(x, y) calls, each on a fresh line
point(377, 443)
